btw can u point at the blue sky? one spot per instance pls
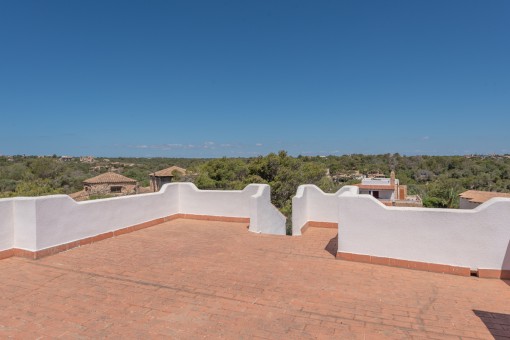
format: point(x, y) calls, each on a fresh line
point(241, 78)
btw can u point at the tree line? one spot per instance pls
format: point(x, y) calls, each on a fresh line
point(437, 179)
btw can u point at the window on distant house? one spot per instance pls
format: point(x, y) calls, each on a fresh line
point(116, 189)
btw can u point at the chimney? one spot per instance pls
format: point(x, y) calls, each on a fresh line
point(392, 178)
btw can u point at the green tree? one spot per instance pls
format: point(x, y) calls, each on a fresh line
point(44, 167)
point(36, 187)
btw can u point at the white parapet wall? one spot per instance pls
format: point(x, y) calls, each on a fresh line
point(253, 202)
point(478, 238)
point(231, 203)
point(6, 224)
point(38, 223)
point(264, 217)
point(311, 204)
point(59, 219)
point(370, 231)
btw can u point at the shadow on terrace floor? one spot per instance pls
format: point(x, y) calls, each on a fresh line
point(332, 246)
point(498, 324)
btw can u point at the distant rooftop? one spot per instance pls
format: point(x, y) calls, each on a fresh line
point(476, 196)
point(169, 172)
point(379, 183)
point(109, 177)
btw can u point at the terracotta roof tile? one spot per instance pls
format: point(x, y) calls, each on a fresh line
point(109, 177)
point(168, 172)
point(78, 194)
point(482, 196)
point(144, 190)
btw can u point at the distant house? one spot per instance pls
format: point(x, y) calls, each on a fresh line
point(388, 191)
point(110, 183)
point(472, 198)
point(107, 184)
point(66, 158)
point(87, 159)
point(161, 177)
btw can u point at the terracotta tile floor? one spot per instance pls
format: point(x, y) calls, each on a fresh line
point(193, 279)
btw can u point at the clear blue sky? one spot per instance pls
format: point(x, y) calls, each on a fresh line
point(240, 78)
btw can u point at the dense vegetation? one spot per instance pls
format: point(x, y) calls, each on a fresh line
point(437, 179)
point(35, 176)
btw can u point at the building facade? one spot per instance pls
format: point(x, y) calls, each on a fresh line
point(161, 177)
point(110, 183)
point(388, 191)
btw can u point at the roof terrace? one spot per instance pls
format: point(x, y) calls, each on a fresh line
point(188, 263)
point(193, 278)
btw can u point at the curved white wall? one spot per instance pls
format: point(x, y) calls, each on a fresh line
point(478, 238)
point(232, 203)
point(313, 204)
point(61, 220)
point(264, 217)
point(37, 223)
point(24, 223)
point(6, 224)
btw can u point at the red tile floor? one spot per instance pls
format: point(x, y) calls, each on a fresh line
point(191, 279)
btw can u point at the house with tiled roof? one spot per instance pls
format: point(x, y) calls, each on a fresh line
point(472, 198)
point(107, 184)
point(161, 177)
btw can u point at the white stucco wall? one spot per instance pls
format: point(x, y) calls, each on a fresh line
point(24, 223)
point(253, 202)
point(61, 220)
point(264, 217)
point(313, 204)
point(36, 223)
point(6, 224)
point(232, 203)
point(478, 238)
point(299, 210)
